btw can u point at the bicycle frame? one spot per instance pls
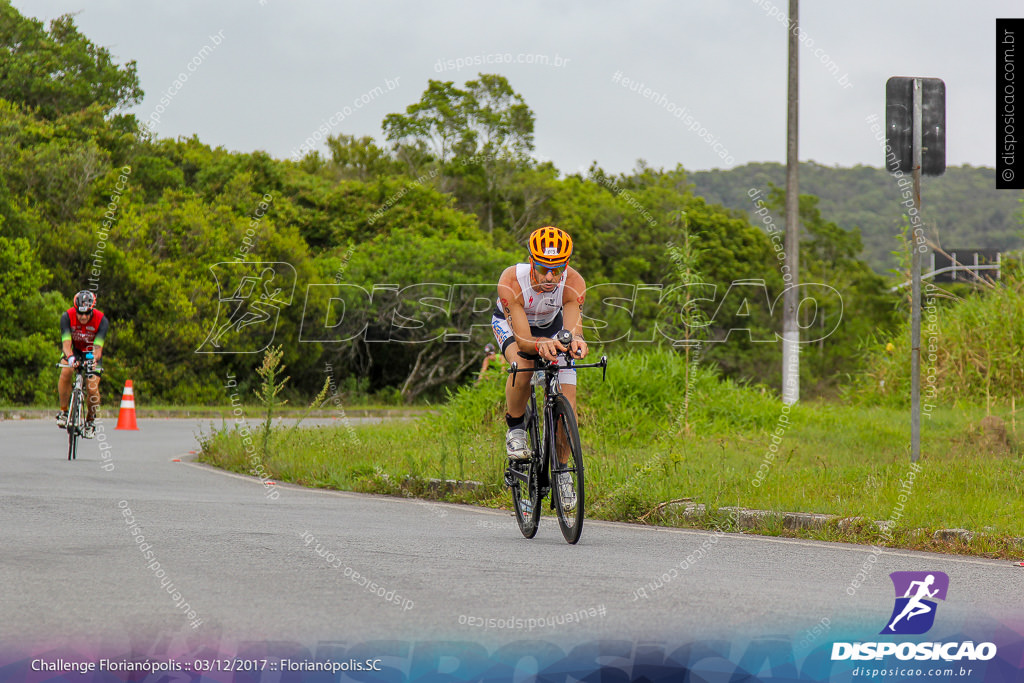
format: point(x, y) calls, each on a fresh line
point(552, 389)
point(532, 480)
point(77, 407)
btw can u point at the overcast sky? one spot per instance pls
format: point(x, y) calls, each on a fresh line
point(283, 67)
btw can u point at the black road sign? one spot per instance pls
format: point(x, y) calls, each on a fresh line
point(899, 125)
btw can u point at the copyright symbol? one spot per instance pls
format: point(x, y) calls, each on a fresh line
point(1007, 174)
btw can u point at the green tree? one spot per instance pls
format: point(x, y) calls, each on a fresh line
point(830, 255)
point(501, 122)
point(962, 208)
point(624, 228)
point(359, 158)
point(480, 138)
point(59, 71)
point(502, 128)
point(30, 340)
point(422, 294)
point(440, 120)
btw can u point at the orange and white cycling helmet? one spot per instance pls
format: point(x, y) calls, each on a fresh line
point(550, 246)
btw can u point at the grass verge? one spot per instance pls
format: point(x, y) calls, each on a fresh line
point(737, 446)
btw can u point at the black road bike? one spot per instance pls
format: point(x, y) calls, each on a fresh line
point(77, 408)
point(554, 441)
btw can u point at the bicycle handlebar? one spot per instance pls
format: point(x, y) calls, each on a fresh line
point(96, 370)
point(553, 366)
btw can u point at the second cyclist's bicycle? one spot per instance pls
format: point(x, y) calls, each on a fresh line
point(556, 459)
point(77, 409)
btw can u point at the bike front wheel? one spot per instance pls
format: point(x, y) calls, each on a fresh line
point(525, 482)
point(74, 421)
point(567, 471)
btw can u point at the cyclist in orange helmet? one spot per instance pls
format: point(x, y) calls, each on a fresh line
point(535, 301)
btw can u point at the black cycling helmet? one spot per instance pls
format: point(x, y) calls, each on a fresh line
point(85, 301)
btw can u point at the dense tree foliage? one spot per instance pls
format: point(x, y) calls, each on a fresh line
point(962, 208)
point(829, 255)
point(59, 71)
point(373, 263)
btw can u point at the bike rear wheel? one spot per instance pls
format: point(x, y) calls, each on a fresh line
point(525, 482)
point(74, 422)
point(565, 442)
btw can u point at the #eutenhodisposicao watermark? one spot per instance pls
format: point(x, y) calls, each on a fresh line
point(243, 253)
point(682, 113)
point(906, 489)
point(252, 454)
point(513, 623)
point(108, 223)
point(153, 564)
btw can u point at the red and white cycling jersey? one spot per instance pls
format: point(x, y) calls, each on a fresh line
point(541, 307)
point(84, 335)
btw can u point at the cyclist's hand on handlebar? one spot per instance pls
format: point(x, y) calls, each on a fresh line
point(579, 348)
point(548, 349)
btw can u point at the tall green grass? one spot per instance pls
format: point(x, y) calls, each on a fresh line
point(971, 351)
point(846, 460)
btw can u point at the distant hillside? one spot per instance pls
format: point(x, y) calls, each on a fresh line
point(962, 207)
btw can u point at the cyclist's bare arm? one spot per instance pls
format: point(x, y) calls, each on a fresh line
point(511, 296)
point(573, 297)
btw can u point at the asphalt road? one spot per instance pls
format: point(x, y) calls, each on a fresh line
point(244, 558)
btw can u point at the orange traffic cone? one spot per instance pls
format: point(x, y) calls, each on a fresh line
point(126, 418)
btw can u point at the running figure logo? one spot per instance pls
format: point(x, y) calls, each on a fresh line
point(250, 299)
point(914, 612)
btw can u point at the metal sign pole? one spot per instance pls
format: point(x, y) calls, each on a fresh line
point(915, 274)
